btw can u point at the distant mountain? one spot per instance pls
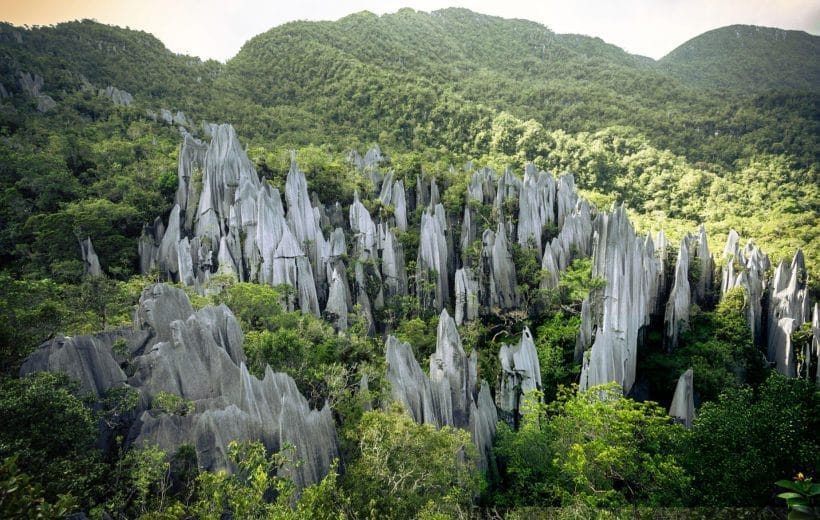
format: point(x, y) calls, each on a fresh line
point(748, 58)
point(70, 54)
point(440, 80)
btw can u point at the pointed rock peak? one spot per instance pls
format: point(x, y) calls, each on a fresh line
point(731, 243)
point(288, 247)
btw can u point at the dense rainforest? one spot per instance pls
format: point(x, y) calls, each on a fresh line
point(335, 301)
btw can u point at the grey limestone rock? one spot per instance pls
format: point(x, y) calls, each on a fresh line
point(304, 221)
point(363, 228)
point(452, 372)
point(520, 373)
point(746, 267)
point(149, 245)
point(585, 334)
point(433, 257)
point(45, 103)
point(117, 96)
point(497, 279)
point(199, 357)
point(189, 176)
point(89, 360)
point(621, 308)
point(408, 383)
point(466, 289)
point(168, 257)
point(450, 396)
point(676, 318)
point(781, 347)
point(394, 274)
point(683, 402)
point(535, 207)
point(788, 300)
point(91, 262)
point(706, 264)
point(291, 266)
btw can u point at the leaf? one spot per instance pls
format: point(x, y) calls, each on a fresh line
point(788, 484)
point(789, 495)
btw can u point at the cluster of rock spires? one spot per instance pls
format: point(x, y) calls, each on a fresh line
point(451, 395)
point(226, 222)
point(32, 86)
point(199, 357)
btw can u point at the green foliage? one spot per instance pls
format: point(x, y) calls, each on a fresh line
point(577, 281)
point(387, 480)
point(421, 334)
point(245, 493)
point(255, 305)
point(595, 447)
point(31, 311)
point(555, 345)
point(172, 404)
point(749, 438)
point(51, 434)
point(718, 347)
point(801, 497)
point(21, 497)
point(139, 484)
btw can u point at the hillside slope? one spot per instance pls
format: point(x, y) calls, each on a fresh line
point(748, 58)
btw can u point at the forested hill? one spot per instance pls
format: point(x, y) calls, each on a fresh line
point(70, 54)
point(433, 89)
point(749, 59)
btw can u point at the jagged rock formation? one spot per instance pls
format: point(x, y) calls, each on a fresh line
point(622, 307)
point(91, 262)
point(676, 319)
point(746, 268)
point(520, 374)
point(451, 395)
point(789, 308)
point(706, 268)
point(683, 402)
point(198, 356)
point(32, 86)
point(117, 96)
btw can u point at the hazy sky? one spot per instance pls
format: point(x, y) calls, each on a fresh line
point(218, 28)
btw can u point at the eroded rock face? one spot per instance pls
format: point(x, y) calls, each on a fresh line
point(91, 262)
point(676, 319)
point(622, 307)
point(432, 262)
point(683, 401)
point(520, 374)
point(117, 96)
point(789, 308)
point(746, 268)
point(199, 357)
point(451, 395)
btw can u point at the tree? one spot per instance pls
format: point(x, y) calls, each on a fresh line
point(748, 439)
point(404, 468)
point(52, 434)
point(595, 447)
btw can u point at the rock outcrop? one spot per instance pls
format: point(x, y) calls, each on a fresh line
point(520, 374)
point(91, 262)
point(622, 308)
point(683, 401)
point(676, 318)
point(451, 395)
point(117, 96)
point(199, 357)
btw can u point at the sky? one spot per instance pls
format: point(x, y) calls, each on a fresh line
point(218, 28)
